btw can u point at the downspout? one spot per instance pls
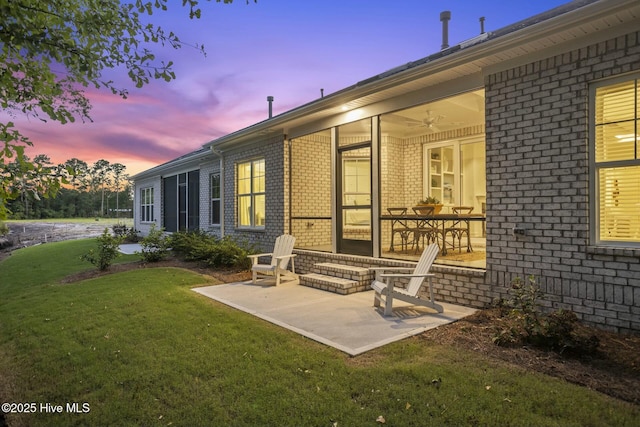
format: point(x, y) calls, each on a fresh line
point(220, 155)
point(290, 231)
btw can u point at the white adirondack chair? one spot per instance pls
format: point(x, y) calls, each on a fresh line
point(280, 258)
point(386, 292)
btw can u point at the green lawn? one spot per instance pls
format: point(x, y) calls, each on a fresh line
point(140, 348)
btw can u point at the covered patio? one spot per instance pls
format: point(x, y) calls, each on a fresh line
point(348, 183)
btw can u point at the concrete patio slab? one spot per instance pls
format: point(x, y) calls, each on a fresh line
point(349, 323)
point(130, 248)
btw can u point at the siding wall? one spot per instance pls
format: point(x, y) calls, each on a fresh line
point(537, 179)
point(156, 183)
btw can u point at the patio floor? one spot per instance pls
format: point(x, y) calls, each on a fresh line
point(346, 322)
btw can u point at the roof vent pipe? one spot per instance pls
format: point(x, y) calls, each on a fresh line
point(444, 18)
point(482, 25)
point(270, 101)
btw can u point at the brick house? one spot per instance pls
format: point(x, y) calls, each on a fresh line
point(534, 127)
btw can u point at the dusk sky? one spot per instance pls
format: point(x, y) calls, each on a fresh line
point(289, 49)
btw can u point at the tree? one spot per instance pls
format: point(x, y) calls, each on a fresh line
point(76, 172)
point(78, 196)
point(29, 179)
point(101, 180)
point(117, 170)
point(51, 50)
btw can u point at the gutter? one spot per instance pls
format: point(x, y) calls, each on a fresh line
point(193, 156)
point(465, 53)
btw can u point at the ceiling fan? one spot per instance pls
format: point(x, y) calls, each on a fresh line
point(429, 121)
point(432, 121)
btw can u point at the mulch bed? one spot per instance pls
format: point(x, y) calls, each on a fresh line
point(222, 275)
point(614, 369)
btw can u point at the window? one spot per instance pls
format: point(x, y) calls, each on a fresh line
point(214, 189)
point(356, 182)
point(251, 193)
point(146, 204)
point(456, 172)
point(616, 162)
point(356, 191)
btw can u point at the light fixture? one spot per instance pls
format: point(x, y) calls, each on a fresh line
point(344, 108)
point(355, 114)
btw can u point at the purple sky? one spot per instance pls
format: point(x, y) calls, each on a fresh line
point(288, 49)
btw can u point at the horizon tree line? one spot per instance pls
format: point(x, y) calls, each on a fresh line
point(102, 189)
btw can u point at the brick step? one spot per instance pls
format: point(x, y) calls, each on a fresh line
point(325, 282)
point(360, 274)
point(339, 278)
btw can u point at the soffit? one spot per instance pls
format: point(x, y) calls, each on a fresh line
point(492, 52)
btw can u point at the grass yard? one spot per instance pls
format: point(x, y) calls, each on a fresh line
point(140, 348)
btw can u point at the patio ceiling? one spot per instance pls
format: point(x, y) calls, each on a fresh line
point(464, 110)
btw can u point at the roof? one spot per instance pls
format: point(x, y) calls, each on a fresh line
point(565, 26)
point(176, 164)
point(576, 24)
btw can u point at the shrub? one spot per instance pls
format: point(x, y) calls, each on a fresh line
point(128, 234)
point(132, 236)
point(215, 252)
point(562, 335)
point(231, 253)
point(106, 253)
point(155, 246)
point(185, 242)
point(119, 230)
point(202, 249)
point(527, 325)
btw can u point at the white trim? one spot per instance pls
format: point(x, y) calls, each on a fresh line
point(211, 199)
point(375, 185)
point(595, 167)
point(151, 206)
point(252, 194)
point(456, 144)
point(334, 190)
